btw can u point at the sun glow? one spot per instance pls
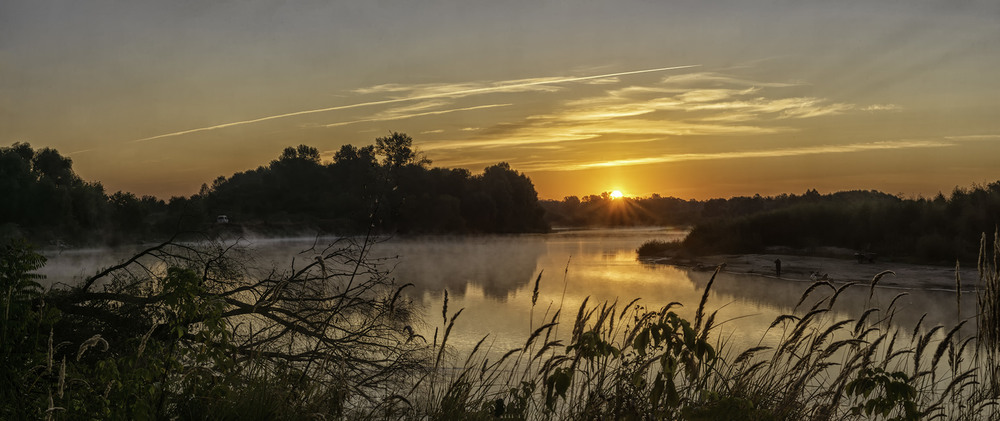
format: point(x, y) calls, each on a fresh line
point(616, 194)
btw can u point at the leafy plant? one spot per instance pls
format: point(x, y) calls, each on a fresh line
point(28, 369)
point(883, 394)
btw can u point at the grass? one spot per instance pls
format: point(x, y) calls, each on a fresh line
point(988, 317)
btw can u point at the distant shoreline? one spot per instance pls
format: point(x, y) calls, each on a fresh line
point(837, 270)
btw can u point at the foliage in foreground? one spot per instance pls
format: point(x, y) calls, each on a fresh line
point(191, 333)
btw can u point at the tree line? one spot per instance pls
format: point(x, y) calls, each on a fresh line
point(656, 210)
point(928, 230)
point(387, 187)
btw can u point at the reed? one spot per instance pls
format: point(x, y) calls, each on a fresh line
point(988, 317)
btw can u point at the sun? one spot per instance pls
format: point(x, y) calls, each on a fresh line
point(616, 194)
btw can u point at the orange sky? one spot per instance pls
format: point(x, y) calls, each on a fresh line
point(684, 99)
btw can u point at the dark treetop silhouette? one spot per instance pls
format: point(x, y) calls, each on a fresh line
point(46, 201)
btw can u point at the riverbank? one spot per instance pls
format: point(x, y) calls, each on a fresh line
point(833, 269)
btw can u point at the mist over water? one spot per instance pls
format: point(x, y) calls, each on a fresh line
point(492, 279)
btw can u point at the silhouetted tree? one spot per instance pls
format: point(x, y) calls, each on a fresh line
point(355, 191)
point(397, 150)
point(49, 164)
point(43, 198)
point(514, 199)
point(303, 152)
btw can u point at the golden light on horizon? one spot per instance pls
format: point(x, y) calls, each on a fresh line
point(634, 101)
point(617, 194)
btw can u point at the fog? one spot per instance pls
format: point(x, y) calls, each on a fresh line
point(492, 279)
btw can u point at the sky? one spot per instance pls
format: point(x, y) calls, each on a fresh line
point(690, 99)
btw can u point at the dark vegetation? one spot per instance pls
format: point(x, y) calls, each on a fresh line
point(937, 230)
point(387, 186)
point(186, 332)
point(182, 331)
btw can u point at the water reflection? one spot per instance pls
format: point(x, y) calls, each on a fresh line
point(758, 300)
point(492, 278)
point(939, 305)
point(495, 266)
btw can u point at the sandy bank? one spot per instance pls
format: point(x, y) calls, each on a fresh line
point(837, 270)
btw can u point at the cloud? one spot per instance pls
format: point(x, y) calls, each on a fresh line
point(559, 131)
point(459, 90)
point(603, 81)
point(881, 107)
point(394, 116)
point(657, 111)
point(799, 107)
point(527, 137)
point(974, 138)
point(712, 95)
point(426, 91)
point(718, 104)
point(773, 153)
point(415, 107)
point(717, 79)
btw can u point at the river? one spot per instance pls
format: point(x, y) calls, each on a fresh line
point(492, 278)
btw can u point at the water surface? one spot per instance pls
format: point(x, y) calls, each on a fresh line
point(492, 278)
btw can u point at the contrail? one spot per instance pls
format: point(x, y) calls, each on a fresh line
point(414, 98)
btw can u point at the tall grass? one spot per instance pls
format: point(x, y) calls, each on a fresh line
point(629, 362)
point(988, 318)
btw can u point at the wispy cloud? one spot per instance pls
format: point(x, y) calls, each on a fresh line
point(415, 107)
point(701, 79)
point(524, 138)
point(748, 101)
point(772, 153)
point(695, 96)
point(612, 130)
point(975, 138)
point(393, 116)
point(741, 108)
point(423, 92)
point(881, 107)
point(800, 107)
point(603, 81)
